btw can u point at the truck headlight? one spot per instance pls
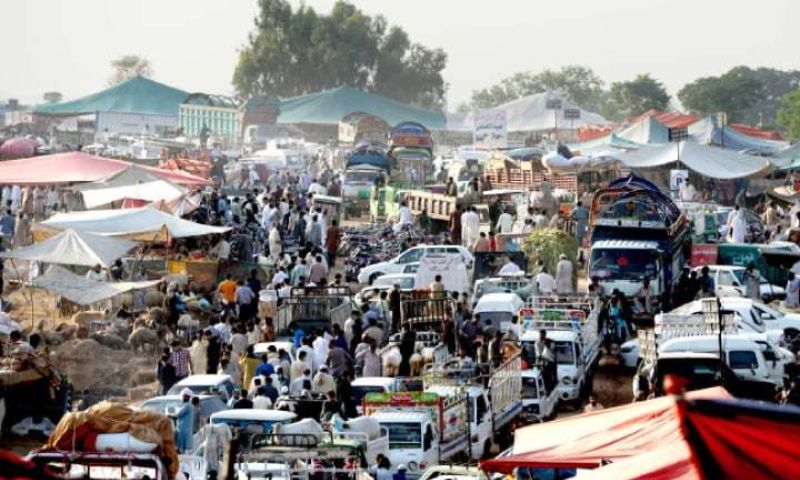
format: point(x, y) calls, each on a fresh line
point(532, 408)
point(413, 466)
point(566, 380)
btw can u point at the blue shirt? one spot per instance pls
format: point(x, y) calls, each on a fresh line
point(7, 226)
point(265, 369)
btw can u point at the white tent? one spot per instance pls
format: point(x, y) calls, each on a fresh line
point(154, 191)
point(74, 248)
point(531, 114)
point(146, 224)
point(81, 290)
point(708, 161)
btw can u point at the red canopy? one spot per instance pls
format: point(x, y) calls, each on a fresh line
point(77, 167)
point(708, 435)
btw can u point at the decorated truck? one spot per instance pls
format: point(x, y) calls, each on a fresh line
point(424, 428)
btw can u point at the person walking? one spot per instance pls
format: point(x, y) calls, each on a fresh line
point(332, 239)
point(564, 276)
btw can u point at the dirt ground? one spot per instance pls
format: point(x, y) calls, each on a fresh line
point(106, 373)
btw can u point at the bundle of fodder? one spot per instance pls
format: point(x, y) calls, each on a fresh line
point(115, 427)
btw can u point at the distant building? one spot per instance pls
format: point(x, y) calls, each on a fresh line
point(135, 106)
point(216, 113)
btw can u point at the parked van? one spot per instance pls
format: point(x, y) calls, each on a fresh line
point(498, 310)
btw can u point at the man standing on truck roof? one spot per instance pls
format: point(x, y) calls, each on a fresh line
point(450, 189)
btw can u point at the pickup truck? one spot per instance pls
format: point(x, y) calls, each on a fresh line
point(571, 327)
point(538, 404)
point(424, 428)
point(494, 398)
point(314, 307)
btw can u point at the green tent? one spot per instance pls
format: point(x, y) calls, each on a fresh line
point(329, 107)
point(137, 95)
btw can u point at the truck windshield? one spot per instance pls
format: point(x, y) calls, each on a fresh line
point(361, 176)
point(530, 389)
point(563, 350)
point(623, 264)
point(404, 435)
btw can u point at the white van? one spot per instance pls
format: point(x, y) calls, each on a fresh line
point(743, 355)
point(412, 255)
point(498, 310)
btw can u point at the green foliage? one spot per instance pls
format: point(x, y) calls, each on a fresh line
point(733, 93)
point(52, 97)
point(580, 85)
point(129, 66)
point(789, 114)
point(636, 96)
point(547, 244)
point(776, 84)
point(296, 52)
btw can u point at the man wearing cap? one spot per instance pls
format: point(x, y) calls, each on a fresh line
point(323, 381)
point(564, 276)
point(284, 401)
point(184, 420)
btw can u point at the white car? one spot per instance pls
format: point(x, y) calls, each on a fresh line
point(729, 282)
point(203, 383)
point(754, 317)
point(412, 255)
point(407, 281)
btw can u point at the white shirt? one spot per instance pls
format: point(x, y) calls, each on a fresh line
point(101, 276)
point(320, 345)
point(505, 223)
point(254, 175)
point(223, 250)
point(262, 402)
point(509, 268)
point(546, 282)
point(406, 218)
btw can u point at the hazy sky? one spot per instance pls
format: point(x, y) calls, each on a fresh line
point(66, 45)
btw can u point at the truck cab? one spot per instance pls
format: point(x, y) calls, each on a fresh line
point(572, 368)
point(623, 265)
point(537, 403)
point(480, 417)
point(413, 440)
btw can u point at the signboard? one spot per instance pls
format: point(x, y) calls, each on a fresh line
point(347, 132)
point(572, 113)
point(533, 318)
point(678, 134)
point(704, 255)
point(490, 129)
point(677, 178)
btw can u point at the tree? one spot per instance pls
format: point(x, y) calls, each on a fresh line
point(129, 66)
point(635, 96)
point(789, 115)
point(776, 84)
point(296, 52)
point(580, 85)
point(732, 92)
point(52, 97)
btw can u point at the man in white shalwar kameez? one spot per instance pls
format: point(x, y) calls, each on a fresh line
point(738, 227)
point(470, 227)
point(564, 276)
